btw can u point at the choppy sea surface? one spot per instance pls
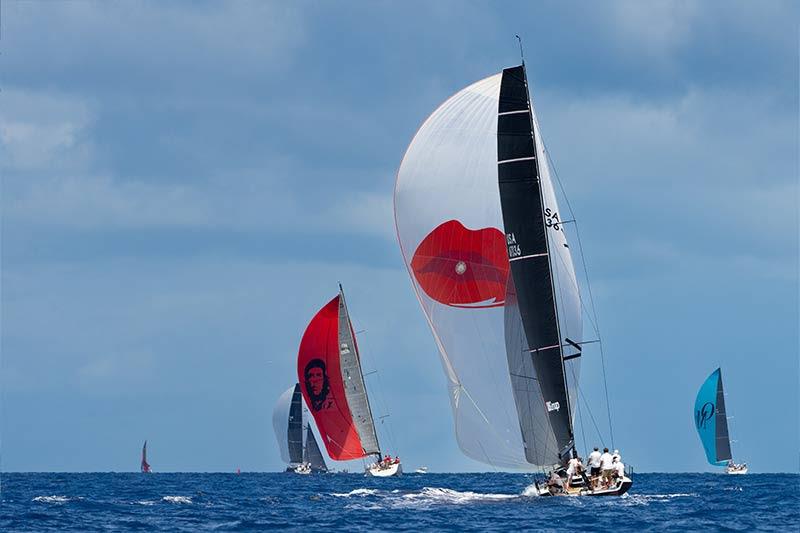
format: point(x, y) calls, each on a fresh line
point(352, 502)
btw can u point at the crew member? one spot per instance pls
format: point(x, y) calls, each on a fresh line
point(594, 464)
point(607, 467)
point(619, 468)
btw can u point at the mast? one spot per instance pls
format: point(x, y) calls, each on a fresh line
point(365, 430)
point(529, 253)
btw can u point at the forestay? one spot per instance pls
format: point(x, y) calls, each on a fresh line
point(353, 380)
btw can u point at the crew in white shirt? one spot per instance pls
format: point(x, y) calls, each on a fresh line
point(573, 467)
point(619, 468)
point(607, 466)
point(594, 463)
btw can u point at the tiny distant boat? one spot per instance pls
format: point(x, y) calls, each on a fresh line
point(711, 421)
point(421, 470)
point(332, 382)
point(296, 441)
point(145, 467)
point(484, 243)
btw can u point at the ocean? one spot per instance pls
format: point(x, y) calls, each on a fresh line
point(413, 502)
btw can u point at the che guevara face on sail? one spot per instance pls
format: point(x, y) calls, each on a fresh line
point(317, 384)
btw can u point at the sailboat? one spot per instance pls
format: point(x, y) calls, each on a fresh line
point(296, 440)
point(483, 239)
point(332, 383)
point(145, 466)
point(711, 421)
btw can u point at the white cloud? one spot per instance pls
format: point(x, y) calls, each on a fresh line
point(40, 131)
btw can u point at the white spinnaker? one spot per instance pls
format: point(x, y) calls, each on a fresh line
point(570, 317)
point(280, 422)
point(449, 172)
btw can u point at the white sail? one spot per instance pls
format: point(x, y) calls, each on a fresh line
point(449, 219)
point(449, 172)
point(280, 422)
point(566, 282)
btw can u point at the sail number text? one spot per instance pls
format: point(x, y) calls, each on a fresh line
point(513, 248)
point(551, 219)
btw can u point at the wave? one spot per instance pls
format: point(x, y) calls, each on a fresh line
point(531, 491)
point(355, 492)
point(647, 499)
point(54, 499)
point(438, 495)
point(176, 499)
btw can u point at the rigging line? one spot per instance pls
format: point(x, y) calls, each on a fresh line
point(591, 416)
point(577, 235)
point(588, 286)
point(580, 423)
point(578, 408)
point(388, 427)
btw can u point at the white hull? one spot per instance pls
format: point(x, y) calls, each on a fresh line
point(303, 470)
point(388, 471)
point(736, 471)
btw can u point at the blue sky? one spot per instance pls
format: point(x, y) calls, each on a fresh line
point(184, 184)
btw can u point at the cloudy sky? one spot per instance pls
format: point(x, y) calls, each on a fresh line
point(184, 184)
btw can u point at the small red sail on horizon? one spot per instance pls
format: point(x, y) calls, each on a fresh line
point(145, 464)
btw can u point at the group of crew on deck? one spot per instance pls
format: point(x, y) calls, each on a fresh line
point(604, 471)
point(387, 461)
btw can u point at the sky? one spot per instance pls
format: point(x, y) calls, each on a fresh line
point(184, 184)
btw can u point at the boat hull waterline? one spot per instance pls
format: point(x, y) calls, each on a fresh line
point(395, 469)
point(621, 487)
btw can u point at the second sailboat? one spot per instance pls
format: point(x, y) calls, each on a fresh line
point(332, 382)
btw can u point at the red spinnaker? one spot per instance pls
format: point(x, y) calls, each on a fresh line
point(320, 378)
point(461, 267)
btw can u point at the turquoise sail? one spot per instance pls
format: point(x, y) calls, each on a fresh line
point(711, 420)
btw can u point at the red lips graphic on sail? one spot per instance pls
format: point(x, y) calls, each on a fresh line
point(461, 267)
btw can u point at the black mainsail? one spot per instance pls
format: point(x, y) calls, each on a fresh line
point(540, 359)
point(295, 430)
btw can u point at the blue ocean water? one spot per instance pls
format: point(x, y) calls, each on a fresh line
point(462, 502)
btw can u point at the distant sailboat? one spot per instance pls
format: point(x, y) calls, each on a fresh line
point(711, 421)
point(300, 451)
point(145, 465)
point(483, 240)
point(332, 382)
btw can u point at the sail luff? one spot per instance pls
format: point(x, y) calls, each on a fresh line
point(354, 385)
point(523, 209)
